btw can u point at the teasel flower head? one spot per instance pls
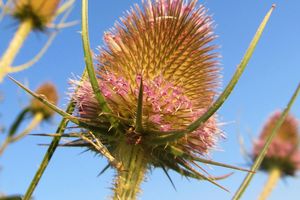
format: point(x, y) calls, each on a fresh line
point(49, 92)
point(158, 73)
point(283, 152)
point(40, 12)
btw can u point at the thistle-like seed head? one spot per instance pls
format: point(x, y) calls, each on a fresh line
point(40, 12)
point(167, 45)
point(48, 91)
point(283, 152)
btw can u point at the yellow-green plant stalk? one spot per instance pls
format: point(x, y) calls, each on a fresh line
point(38, 111)
point(274, 176)
point(14, 47)
point(283, 155)
point(33, 15)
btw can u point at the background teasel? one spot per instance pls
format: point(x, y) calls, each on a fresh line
point(90, 166)
point(283, 155)
point(32, 15)
point(36, 110)
point(283, 152)
point(39, 12)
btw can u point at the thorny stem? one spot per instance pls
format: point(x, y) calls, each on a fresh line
point(14, 47)
point(128, 181)
point(89, 63)
point(274, 176)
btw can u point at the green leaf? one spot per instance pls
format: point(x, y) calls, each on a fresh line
point(263, 152)
point(17, 122)
point(175, 135)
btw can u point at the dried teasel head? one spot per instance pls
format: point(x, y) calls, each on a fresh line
point(40, 12)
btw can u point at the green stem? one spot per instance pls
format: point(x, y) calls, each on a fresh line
point(274, 176)
point(263, 152)
point(51, 149)
point(14, 47)
point(89, 61)
point(128, 181)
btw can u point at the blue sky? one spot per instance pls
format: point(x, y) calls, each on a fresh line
point(267, 84)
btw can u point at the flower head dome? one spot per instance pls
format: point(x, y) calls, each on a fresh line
point(167, 45)
point(283, 152)
point(160, 56)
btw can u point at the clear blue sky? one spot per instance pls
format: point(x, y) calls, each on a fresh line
point(267, 84)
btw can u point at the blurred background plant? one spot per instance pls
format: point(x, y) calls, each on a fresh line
point(32, 15)
point(47, 17)
point(36, 110)
point(283, 155)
